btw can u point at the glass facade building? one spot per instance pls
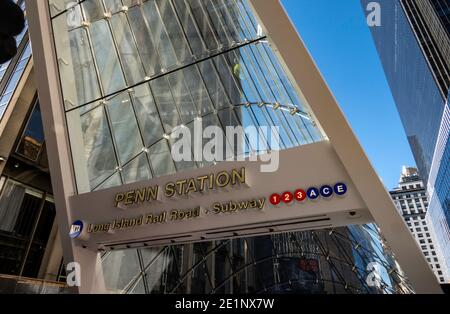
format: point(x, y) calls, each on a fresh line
point(431, 23)
point(439, 189)
point(134, 72)
point(139, 72)
point(413, 44)
point(11, 72)
point(310, 262)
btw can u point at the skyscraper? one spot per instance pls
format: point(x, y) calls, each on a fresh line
point(430, 21)
point(411, 200)
point(413, 44)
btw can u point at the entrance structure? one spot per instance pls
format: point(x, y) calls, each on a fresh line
point(118, 78)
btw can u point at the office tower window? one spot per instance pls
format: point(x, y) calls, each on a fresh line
point(26, 220)
point(31, 144)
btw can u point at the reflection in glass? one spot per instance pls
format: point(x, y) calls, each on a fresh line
point(133, 69)
point(310, 262)
point(124, 127)
point(112, 78)
point(161, 159)
point(145, 45)
point(137, 170)
point(76, 66)
point(32, 141)
point(147, 115)
point(160, 66)
point(98, 146)
point(93, 10)
point(159, 35)
point(167, 109)
point(124, 263)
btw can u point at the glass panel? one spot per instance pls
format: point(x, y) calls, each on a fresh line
point(159, 35)
point(137, 170)
point(19, 214)
point(161, 159)
point(93, 10)
point(203, 24)
point(32, 140)
point(167, 108)
point(133, 69)
point(10, 204)
point(197, 90)
point(107, 61)
point(214, 84)
point(182, 97)
point(39, 244)
point(194, 38)
point(156, 271)
point(174, 31)
point(139, 288)
point(224, 31)
point(144, 40)
point(148, 255)
point(147, 114)
point(2, 108)
point(98, 146)
point(229, 73)
point(113, 6)
point(14, 78)
point(130, 3)
point(111, 182)
point(58, 6)
point(29, 210)
point(76, 65)
point(120, 269)
point(124, 127)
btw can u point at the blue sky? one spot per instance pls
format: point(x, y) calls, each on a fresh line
point(336, 34)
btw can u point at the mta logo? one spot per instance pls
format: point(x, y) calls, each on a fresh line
point(76, 229)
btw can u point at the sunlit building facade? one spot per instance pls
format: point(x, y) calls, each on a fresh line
point(411, 199)
point(413, 43)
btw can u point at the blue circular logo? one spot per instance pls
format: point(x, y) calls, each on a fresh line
point(326, 191)
point(313, 193)
point(340, 189)
point(76, 229)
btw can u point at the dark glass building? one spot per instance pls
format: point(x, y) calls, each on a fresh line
point(430, 21)
point(413, 43)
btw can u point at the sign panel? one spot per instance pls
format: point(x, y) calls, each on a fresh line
point(311, 189)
